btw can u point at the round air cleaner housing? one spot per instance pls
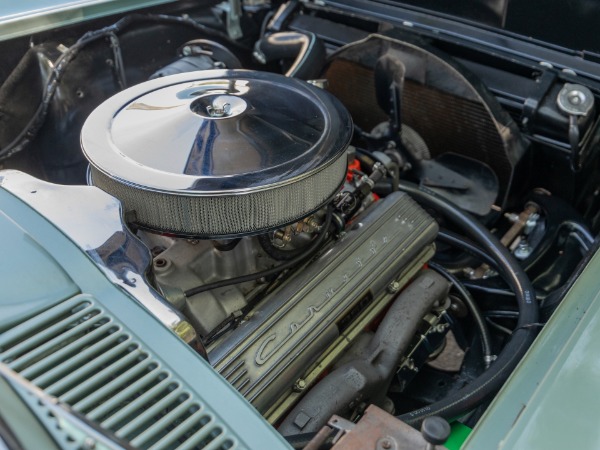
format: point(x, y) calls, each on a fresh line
point(219, 153)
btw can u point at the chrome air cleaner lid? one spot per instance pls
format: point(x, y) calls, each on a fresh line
point(219, 153)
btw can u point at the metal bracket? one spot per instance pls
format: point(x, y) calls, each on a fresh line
point(342, 426)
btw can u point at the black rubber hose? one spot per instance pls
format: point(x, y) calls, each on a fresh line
point(393, 168)
point(490, 381)
point(467, 246)
point(310, 251)
point(501, 314)
point(484, 332)
point(305, 48)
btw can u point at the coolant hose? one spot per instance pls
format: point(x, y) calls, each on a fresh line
point(466, 246)
point(306, 48)
point(484, 332)
point(490, 381)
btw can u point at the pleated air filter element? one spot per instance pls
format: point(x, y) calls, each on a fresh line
point(219, 153)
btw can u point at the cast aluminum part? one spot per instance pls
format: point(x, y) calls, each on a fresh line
point(219, 153)
point(366, 378)
point(186, 263)
point(92, 219)
point(289, 329)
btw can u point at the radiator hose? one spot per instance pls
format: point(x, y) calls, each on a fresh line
point(306, 49)
point(490, 381)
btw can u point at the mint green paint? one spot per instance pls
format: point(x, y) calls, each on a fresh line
point(39, 275)
point(22, 18)
point(23, 424)
point(209, 388)
point(551, 400)
point(73, 351)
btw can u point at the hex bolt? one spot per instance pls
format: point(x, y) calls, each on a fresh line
point(523, 250)
point(393, 287)
point(299, 385)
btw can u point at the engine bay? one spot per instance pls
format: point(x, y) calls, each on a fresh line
point(347, 213)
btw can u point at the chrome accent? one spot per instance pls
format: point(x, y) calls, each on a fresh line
point(236, 142)
point(92, 219)
point(220, 106)
point(575, 99)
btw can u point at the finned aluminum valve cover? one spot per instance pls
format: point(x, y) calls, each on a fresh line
point(219, 153)
point(286, 332)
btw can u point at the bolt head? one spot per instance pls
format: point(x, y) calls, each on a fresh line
point(393, 287)
point(299, 385)
point(576, 97)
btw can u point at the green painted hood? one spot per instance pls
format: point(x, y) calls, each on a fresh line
point(551, 399)
point(22, 18)
point(29, 274)
point(84, 339)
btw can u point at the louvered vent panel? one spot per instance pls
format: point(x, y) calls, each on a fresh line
point(77, 352)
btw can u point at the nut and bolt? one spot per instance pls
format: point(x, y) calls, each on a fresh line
point(299, 385)
point(218, 110)
point(393, 287)
point(523, 250)
point(440, 327)
point(470, 273)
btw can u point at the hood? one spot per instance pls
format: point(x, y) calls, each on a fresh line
point(570, 25)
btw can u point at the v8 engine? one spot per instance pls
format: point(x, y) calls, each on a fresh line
point(341, 219)
point(243, 176)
